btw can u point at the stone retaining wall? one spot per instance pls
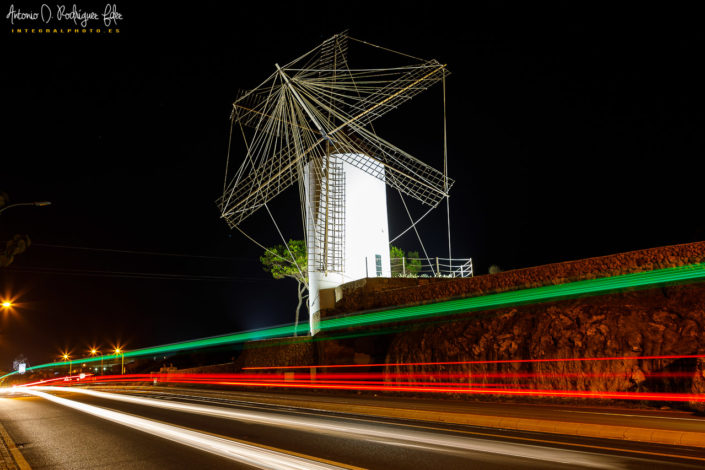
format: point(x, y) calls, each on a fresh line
point(378, 293)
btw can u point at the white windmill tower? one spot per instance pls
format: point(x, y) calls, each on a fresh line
point(310, 122)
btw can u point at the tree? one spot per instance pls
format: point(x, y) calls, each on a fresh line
point(404, 264)
point(413, 263)
point(17, 245)
point(277, 261)
point(396, 258)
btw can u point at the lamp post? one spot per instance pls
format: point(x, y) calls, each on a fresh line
point(67, 358)
point(36, 204)
point(94, 351)
point(122, 363)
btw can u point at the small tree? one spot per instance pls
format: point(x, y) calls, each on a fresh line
point(396, 258)
point(277, 261)
point(17, 245)
point(404, 264)
point(413, 263)
point(494, 269)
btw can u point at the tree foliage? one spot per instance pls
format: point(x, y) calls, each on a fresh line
point(277, 261)
point(16, 245)
point(395, 252)
point(413, 263)
point(13, 247)
point(404, 264)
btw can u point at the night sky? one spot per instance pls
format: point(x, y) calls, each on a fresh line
point(572, 133)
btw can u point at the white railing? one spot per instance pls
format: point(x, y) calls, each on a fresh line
point(431, 267)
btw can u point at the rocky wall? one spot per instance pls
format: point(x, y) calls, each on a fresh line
point(360, 295)
point(654, 322)
point(276, 352)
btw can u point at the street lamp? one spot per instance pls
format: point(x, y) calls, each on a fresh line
point(122, 364)
point(94, 351)
point(8, 304)
point(67, 358)
point(36, 204)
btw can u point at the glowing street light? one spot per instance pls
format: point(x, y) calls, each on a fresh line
point(67, 358)
point(7, 303)
point(95, 351)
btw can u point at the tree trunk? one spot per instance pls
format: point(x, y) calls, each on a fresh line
point(300, 291)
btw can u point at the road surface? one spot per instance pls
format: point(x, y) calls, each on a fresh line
point(170, 429)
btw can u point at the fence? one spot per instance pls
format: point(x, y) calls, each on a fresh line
point(431, 267)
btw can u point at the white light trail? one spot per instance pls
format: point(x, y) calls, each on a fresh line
point(384, 434)
point(248, 454)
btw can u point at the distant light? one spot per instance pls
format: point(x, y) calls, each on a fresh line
point(21, 367)
point(66, 357)
point(7, 304)
point(82, 376)
point(117, 351)
point(94, 351)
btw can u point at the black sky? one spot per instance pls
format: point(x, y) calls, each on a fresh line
point(573, 132)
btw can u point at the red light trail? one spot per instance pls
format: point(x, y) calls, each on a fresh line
point(450, 382)
point(498, 361)
point(322, 382)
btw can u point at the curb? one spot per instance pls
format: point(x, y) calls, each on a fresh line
point(10, 456)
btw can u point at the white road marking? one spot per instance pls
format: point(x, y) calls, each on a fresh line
point(248, 454)
point(632, 416)
point(384, 434)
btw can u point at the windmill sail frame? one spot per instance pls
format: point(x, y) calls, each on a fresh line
point(320, 106)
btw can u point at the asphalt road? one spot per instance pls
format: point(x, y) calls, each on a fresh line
point(78, 431)
point(677, 420)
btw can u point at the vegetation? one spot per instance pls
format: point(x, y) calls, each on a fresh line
point(277, 261)
point(16, 245)
point(404, 264)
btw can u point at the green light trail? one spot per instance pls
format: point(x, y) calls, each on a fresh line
point(602, 285)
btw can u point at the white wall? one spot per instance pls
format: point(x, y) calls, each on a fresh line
point(366, 233)
point(366, 226)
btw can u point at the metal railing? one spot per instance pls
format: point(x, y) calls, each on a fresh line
point(431, 267)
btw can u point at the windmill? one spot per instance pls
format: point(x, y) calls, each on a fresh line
point(311, 123)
